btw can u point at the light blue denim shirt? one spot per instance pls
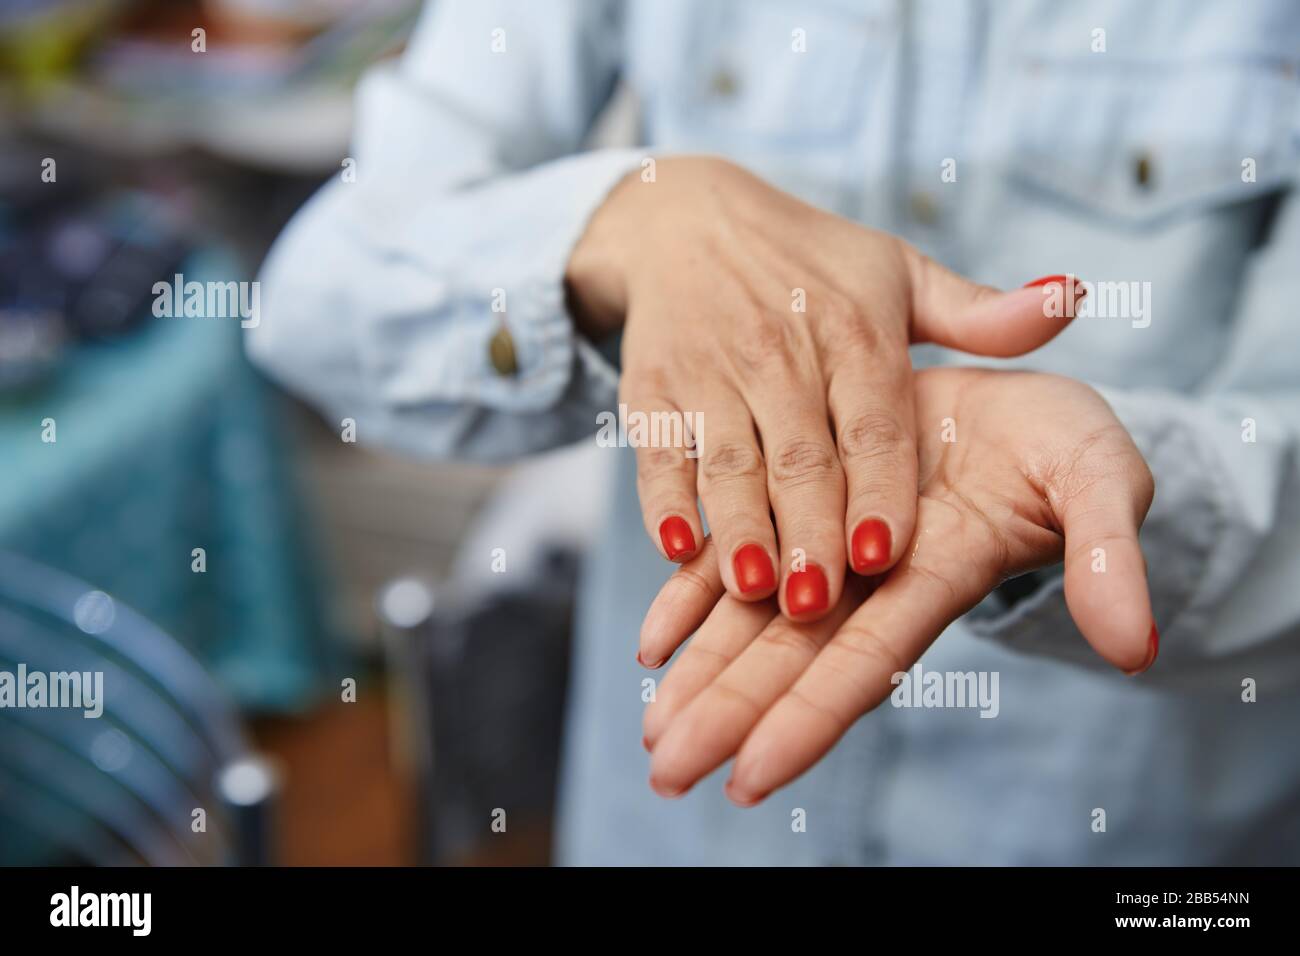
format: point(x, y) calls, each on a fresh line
point(1152, 148)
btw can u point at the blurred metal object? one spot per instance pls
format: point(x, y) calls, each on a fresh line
point(248, 786)
point(405, 607)
point(164, 775)
point(480, 691)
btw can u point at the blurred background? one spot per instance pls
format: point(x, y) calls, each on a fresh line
point(296, 632)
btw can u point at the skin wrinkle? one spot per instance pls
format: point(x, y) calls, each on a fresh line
point(795, 694)
point(987, 517)
point(732, 461)
point(802, 462)
point(798, 640)
point(696, 581)
point(712, 233)
point(779, 347)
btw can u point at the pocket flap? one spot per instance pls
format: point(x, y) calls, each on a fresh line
point(1139, 142)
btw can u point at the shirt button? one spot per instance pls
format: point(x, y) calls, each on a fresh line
point(501, 351)
point(1143, 173)
point(723, 83)
point(923, 208)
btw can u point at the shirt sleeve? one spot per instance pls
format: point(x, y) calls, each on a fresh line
point(1222, 539)
point(454, 219)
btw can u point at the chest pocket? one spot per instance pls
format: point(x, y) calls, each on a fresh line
point(774, 74)
point(1144, 143)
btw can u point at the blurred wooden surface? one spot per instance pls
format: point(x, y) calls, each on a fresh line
point(345, 803)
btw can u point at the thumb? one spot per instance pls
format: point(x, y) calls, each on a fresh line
point(950, 310)
point(1105, 574)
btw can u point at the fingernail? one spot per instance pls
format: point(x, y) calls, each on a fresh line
point(1080, 290)
point(653, 667)
point(806, 591)
point(754, 571)
point(870, 548)
point(1153, 650)
point(676, 536)
point(741, 797)
point(670, 793)
point(645, 742)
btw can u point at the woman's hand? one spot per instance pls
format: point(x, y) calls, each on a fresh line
point(1017, 471)
point(805, 415)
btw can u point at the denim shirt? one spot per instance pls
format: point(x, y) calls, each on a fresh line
point(1151, 148)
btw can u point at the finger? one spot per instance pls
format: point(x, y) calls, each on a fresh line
point(665, 474)
point(1105, 573)
point(871, 404)
point(950, 310)
point(681, 606)
point(805, 485)
point(708, 728)
point(733, 489)
point(719, 640)
point(853, 672)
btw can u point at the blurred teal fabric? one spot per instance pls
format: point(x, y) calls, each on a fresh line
point(167, 441)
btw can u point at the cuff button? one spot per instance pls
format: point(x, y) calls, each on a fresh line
point(501, 351)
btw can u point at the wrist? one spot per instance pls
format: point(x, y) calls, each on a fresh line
point(595, 277)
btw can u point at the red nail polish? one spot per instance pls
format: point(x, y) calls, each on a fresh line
point(676, 536)
point(645, 742)
point(1080, 290)
point(753, 569)
point(806, 592)
point(870, 548)
point(1153, 650)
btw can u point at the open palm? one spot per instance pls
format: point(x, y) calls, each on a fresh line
point(1016, 471)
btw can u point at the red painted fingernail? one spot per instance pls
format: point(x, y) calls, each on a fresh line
point(678, 541)
point(754, 571)
point(1153, 650)
point(645, 742)
point(1080, 290)
point(806, 591)
point(871, 541)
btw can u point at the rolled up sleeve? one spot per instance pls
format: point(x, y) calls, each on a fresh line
point(383, 298)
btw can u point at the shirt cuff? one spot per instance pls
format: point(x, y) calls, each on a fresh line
point(511, 240)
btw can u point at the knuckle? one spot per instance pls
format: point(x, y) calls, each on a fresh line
point(661, 462)
point(871, 435)
point(803, 461)
point(729, 461)
point(861, 335)
point(840, 312)
point(764, 343)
